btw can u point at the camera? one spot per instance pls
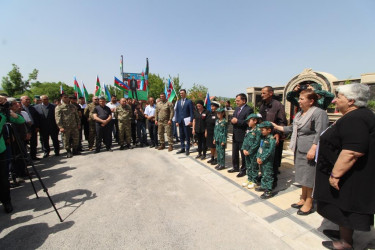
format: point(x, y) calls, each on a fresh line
point(4, 108)
point(303, 86)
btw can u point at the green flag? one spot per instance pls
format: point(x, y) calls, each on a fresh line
point(98, 88)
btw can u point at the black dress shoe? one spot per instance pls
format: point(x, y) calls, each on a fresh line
point(203, 157)
point(216, 167)
point(266, 195)
point(46, 155)
point(35, 158)
point(332, 234)
point(233, 170)
point(329, 245)
point(187, 153)
point(198, 156)
point(210, 160)
point(295, 205)
point(241, 174)
point(221, 168)
point(152, 145)
point(214, 162)
point(8, 208)
point(300, 212)
point(109, 150)
point(122, 147)
point(57, 153)
point(180, 151)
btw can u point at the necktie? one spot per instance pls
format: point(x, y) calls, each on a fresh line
point(238, 112)
point(182, 102)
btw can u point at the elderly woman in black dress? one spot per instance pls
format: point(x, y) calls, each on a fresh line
point(345, 174)
point(209, 134)
point(307, 126)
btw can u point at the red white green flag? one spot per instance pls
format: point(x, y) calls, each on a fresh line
point(86, 93)
point(77, 90)
point(98, 88)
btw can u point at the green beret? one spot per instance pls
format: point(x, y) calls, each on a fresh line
point(253, 115)
point(266, 124)
point(316, 86)
point(220, 110)
point(37, 97)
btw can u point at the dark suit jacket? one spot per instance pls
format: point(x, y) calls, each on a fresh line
point(46, 124)
point(239, 129)
point(185, 111)
point(133, 84)
point(34, 116)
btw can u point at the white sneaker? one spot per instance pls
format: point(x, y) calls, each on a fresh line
point(245, 184)
point(251, 185)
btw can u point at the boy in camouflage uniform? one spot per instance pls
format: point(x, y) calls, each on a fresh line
point(220, 138)
point(88, 113)
point(265, 156)
point(123, 114)
point(68, 121)
point(250, 146)
point(163, 119)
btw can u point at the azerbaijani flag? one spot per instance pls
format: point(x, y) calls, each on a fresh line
point(119, 84)
point(165, 90)
point(85, 92)
point(107, 94)
point(171, 91)
point(98, 88)
point(77, 89)
point(146, 75)
point(142, 85)
point(207, 102)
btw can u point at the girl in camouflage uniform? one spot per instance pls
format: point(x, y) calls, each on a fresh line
point(220, 138)
point(250, 147)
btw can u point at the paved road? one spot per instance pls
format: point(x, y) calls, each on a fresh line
point(134, 199)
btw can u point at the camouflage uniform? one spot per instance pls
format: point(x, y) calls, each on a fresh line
point(164, 112)
point(220, 136)
point(67, 118)
point(266, 153)
point(124, 115)
point(92, 131)
point(251, 144)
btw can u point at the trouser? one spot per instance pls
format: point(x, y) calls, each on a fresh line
point(124, 131)
point(153, 132)
point(267, 175)
point(175, 135)
point(92, 133)
point(44, 139)
point(236, 149)
point(141, 132)
point(202, 147)
point(18, 163)
point(134, 132)
point(277, 159)
point(163, 127)
point(85, 126)
point(252, 167)
point(185, 134)
point(4, 182)
point(115, 128)
point(134, 94)
point(71, 135)
point(220, 149)
point(33, 142)
point(103, 134)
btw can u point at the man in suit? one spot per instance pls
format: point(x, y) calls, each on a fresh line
point(34, 128)
point(48, 127)
point(239, 130)
point(133, 87)
point(184, 109)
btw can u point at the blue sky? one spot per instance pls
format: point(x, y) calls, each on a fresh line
point(226, 46)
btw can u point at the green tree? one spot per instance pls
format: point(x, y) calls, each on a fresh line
point(197, 92)
point(14, 84)
point(155, 85)
point(51, 89)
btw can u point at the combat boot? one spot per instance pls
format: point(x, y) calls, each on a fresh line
point(69, 154)
point(122, 147)
point(162, 146)
point(170, 148)
point(76, 152)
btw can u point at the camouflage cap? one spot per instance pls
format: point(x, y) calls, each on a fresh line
point(253, 115)
point(266, 124)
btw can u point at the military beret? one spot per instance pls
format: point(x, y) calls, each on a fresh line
point(220, 110)
point(37, 97)
point(215, 103)
point(253, 115)
point(266, 124)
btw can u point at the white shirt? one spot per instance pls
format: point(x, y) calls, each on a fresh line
point(113, 106)
point(26, 116)
point(150, 110)
point(83, 105)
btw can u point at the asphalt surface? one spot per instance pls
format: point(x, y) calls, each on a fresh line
point(132, 199)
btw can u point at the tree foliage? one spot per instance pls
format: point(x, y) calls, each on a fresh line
point(51, 89)
point(197, 92)
point(14, 84)
point(157, 85)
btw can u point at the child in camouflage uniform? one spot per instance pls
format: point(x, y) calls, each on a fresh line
point(250, 146)
point(265, 156)
point(220, 138)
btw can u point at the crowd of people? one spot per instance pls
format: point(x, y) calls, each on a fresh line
point(330, 160)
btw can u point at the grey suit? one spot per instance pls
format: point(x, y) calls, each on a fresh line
point(308, 135)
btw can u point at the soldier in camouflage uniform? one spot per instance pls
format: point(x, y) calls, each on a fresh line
point(123, 114)
point(250, 147)
point(265, 156)
point(220, 137)
point(88, 113)
point(68, 121)
point(163, 119)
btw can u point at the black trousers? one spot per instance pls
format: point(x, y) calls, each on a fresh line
point(44, 139)
point(202, 147)
point(277, 160)
point(236, 149)
point(153, 132)
point(103, 134)
point(4, 183)
point(134, 132)
point(33, 142)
